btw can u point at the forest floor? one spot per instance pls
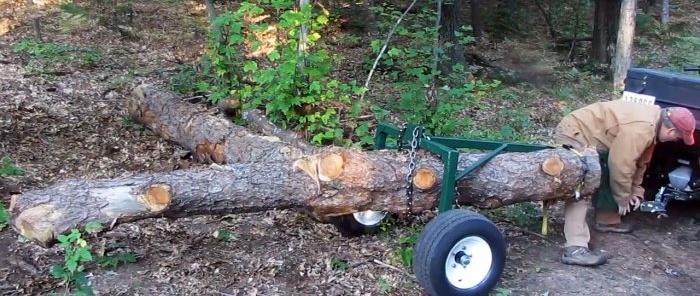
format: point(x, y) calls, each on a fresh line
point(67, 118)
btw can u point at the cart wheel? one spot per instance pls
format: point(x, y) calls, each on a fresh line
point(360, 223)
point(460, 252)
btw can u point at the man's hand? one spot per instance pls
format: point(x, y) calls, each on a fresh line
point(623, 210)
point(634, 200)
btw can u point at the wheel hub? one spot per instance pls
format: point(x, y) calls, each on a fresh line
point(468, 262)
point(369, 217)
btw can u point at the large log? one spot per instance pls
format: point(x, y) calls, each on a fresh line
point(330, 181)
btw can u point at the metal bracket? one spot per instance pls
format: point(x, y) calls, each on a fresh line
point(447, 150)
point(658, 205)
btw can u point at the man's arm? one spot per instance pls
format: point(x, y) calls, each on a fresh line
point(628, 147)
point(642, 165)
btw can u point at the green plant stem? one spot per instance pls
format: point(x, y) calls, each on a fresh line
point(386, 43)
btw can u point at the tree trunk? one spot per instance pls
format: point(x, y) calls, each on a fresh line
point(303, 32)
point(371, 16)
point(665, 12)
point(211, 14)
point(452, 21)
point(330, 181)
point(477, 11)
point(625, 38)
point(548, 20)
point(36, 20)
point(605, 29)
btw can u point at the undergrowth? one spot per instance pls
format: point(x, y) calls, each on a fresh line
point(51, 58)
point(78, 254)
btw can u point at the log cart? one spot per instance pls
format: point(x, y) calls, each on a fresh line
point(460, 252)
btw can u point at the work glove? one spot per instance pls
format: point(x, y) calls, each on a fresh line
point(634, 200)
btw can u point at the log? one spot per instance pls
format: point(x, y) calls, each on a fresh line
point(212, 139)
point(331, 181)
point(260, 123)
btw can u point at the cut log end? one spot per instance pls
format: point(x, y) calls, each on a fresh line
point(553, 166)
point(158, 197)
point(330, 167)
point(37, 223)
point(424, 179)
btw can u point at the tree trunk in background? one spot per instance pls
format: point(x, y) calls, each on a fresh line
point(451, 21)
point(304, 31)
point(211, 14)
point(36, 21)
point(477, 11)
point(371, 17)
point(666, 12)
point(511, 6)
point(605, 30)
point(625, 40)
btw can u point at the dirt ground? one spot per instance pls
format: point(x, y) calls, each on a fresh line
point(74, 124)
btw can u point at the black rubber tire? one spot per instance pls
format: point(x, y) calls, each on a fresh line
point(438, 238)
point(348, 226)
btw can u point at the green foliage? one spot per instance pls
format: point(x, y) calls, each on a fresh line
point(404, 252)
point(8, 168)
point(686, 51)
point(224, 235)
point(113, 261)
point(384, 285)
point(4, 216)
point(293, 96)
point(47, 57)
point(409, 64)
point(501, 292)
point(187, 78)
point(525, 214)
point(77, 253)
point(339, 266)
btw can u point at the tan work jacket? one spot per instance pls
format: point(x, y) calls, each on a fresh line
point(628, 132)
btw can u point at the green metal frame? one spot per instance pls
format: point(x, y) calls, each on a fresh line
point(446, 148)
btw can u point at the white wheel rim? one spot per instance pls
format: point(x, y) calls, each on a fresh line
point(463, 271)
point(369, 218)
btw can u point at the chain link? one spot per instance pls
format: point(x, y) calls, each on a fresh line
point(399, 141)
point(412, 167)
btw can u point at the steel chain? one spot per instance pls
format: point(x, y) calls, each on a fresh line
point(400, 139)
point(412, 167)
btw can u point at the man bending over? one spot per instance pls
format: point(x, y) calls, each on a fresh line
point(624, 134)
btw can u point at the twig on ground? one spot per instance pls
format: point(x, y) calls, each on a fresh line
point(387, 265)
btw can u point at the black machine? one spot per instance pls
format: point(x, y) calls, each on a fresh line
point(674, 171)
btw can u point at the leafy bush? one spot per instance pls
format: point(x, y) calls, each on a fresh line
point(293, 96)
point(409, 63)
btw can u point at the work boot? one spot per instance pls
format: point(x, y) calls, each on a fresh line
point(576, 255)
point(621, 227)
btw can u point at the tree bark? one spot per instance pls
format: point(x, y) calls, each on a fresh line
point(477, 11)
point(36, 20)
point(452, 21)
point(625, 38)
point(211, 14)
point(331, 181)
point(665, 12)
point(605, 29)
